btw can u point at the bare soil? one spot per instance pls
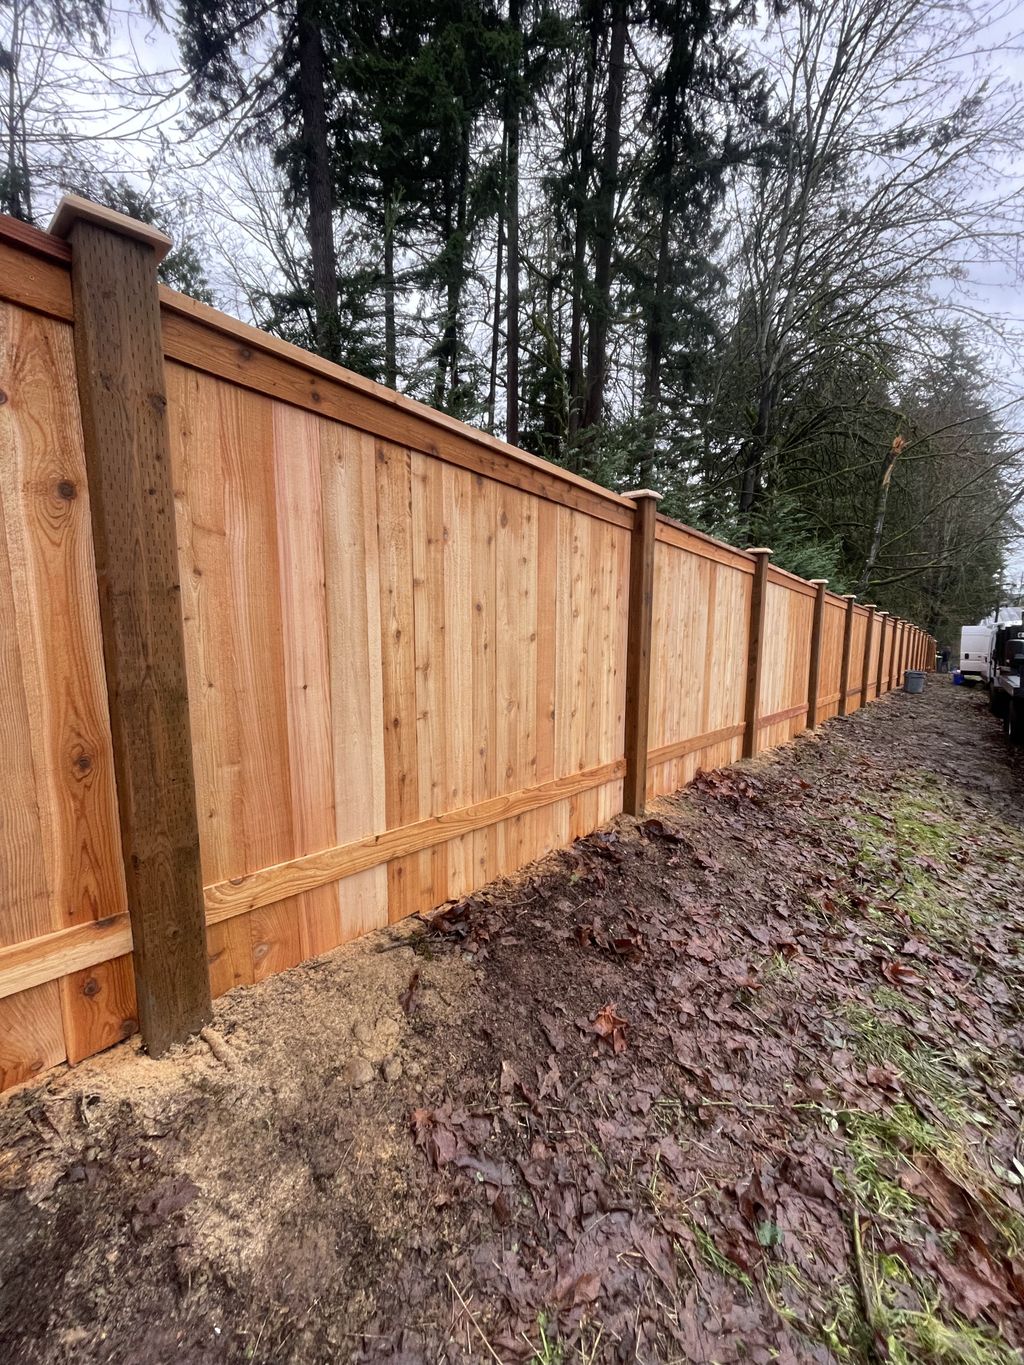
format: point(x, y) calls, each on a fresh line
point(741, 1081)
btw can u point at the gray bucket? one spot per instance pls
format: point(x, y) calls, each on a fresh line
point(913, 680)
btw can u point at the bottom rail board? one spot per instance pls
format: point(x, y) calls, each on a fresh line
point(682, 747)
point(50, 956)
point(777, 717)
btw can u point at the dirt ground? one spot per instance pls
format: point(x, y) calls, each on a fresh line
point(742, 1081)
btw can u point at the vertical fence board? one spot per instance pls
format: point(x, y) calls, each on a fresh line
point(351, 566)
point(755, 651)
point(638, 650)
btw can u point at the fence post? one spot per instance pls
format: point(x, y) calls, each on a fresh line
point(883, 617)
point(758, 602)
point(894, 657)
point(844, 678)
point(814, 671)
point(120, 367)
point(869, 640)
point(638, 648)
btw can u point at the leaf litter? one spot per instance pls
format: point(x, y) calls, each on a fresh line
point(739, 1081)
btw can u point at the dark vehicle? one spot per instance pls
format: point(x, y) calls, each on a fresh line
point(1006, 683)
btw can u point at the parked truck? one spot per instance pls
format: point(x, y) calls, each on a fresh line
point(1006, 678)
point(975, 654)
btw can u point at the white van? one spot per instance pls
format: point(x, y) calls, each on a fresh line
point(975, 653)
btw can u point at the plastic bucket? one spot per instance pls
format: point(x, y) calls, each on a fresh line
point(913, 680)
point(958, 677)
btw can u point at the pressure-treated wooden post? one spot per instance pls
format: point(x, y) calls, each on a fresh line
point(869, 640)
point(844, 678)
point(119, 359)
point(894, 656)
point(755, 649)
point(814, 670)
point(883, 620)
point(638, 648)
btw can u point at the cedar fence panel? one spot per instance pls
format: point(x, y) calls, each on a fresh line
point(854, 697)
point(833, 628)
point(782, 707)
point(701, 621)
point(406, 655)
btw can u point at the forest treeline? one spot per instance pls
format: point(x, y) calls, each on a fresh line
point(703, 247)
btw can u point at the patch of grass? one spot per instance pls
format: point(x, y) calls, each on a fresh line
point(886, 998)
point(905, 1314)
point(908, 1325)
point(549, 1350)
point(928, 1070)
point(717, 1259)
point(901, 1134)
point(894, 852)
point(872, 1188)
point(778, 968)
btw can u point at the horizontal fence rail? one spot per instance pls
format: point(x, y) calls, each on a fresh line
point(287, 656)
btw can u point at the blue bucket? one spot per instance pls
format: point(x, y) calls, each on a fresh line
point(958, 678)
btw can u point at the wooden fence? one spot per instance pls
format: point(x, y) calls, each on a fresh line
point(286, 656)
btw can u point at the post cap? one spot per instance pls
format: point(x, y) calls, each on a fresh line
point(849, 597)
point(635, 493)
point(759, 550)
point(73, 209)
point(818, 582)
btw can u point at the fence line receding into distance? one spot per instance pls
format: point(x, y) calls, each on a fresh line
point(286, 656)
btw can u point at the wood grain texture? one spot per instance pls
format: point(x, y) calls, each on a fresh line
point(31, 1035)
point(49, 957)
point(271, 885)
point(638, 652)
point(119, 363)
point(307, 679)
point(216, 344)
point(406, 648)
point(55, 717)
point(849, 622)
point(755, 652)
point(868, 668)
point(671, 532)
point(354, 638)
point(884, 635)
point(34, 283)
point(817, 642)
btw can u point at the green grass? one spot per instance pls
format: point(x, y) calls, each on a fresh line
point(902, 1322)
point(716, 1259)
point(929, 1070)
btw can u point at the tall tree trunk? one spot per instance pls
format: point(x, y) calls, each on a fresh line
point(390, 326)
point(17, 200)
point(313, 105)
point(457, 279)
point(881, 501)
point(455, 271)
point(512, 193)
point(492, 386)
point(678, 74)
point(753, 454)
point(581, 204)
point(655, 345)
point(604, 222)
